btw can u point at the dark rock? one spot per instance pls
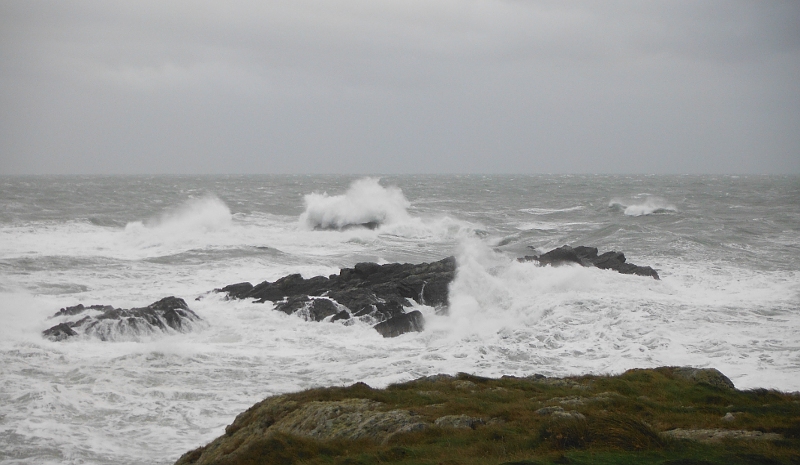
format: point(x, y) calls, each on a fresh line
point(312, 309)
point(380, 294)
point(401, 324)
point(587, 256)
point(371, 292)
point(236, 291)
point(59, 332)
point(76, 309)
point(168, 314)
point(335, 227)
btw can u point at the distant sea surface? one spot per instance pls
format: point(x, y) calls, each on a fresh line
point(727, 249)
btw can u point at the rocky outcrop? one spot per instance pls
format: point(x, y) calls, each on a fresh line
point(401, 324)
point(710, 376)
point(376, 294)
point(347, 419)
point(719, 435)
point(587, 256)
point(381, 294)
point(434, 417)
point(111, 324)
point(459, 422)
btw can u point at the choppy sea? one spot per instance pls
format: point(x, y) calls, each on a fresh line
point(727, 249)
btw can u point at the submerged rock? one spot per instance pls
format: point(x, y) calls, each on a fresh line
point(587, 256)
point(109, 324)
point(377, 294)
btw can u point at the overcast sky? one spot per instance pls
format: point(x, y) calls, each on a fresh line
point(399, 86)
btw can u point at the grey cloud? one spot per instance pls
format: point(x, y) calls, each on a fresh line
point(399, 86)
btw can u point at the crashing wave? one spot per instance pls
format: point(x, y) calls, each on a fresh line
point(366, 203)
point(203, 214)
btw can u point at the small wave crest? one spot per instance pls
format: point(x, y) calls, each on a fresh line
point(649, 206)
point(549, 211)
point(366, 203)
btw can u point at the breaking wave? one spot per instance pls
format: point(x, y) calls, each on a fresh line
point(183, 226)
point(366, 203)
point(649, 206)
point(202, 214)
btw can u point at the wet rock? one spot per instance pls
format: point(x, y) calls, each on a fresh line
point(109, 324)
point(76, 309)
point(587, 256)
point(381, 294)
point(236, 291)
point(401, 324)
point(59, 332)
point(374, 293)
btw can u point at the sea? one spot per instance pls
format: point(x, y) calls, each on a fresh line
point(727, 249)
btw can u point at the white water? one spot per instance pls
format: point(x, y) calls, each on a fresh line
point(647, 206)
point(150, 399)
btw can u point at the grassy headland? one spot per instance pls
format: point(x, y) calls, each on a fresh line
point(665, 416)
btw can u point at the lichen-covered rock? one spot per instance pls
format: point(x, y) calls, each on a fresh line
point(718, 435)
point(348, 419)
point(559, 412)
point(710, 376)
point(458, 421)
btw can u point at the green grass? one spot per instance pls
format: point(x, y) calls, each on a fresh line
point(621, 424)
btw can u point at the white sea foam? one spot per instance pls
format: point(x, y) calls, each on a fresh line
point(365, 202)
point(649, 206)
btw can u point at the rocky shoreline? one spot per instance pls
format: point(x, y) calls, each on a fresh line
point(383, 296)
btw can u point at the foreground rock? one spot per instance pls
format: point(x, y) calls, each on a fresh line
point(453, 419)
point(719, 435)
point(112, 324)
point(376, 294)
point(587, 256)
